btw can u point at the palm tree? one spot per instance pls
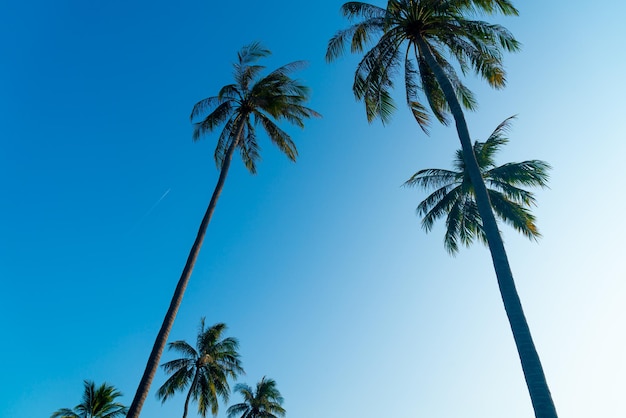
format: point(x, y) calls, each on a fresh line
point(416, 37)
point(239, 107)
point(264, 402)
point(454, 196)
point(97, 403)
point(205, 370)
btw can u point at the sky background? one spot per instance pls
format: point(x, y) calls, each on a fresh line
point(319, 268)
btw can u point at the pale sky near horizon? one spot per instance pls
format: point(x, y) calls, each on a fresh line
point(319, 268)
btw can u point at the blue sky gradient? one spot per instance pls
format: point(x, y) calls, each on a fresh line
point(319, 268)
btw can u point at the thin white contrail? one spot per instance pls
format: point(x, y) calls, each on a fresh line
point(149, 210)
point(156, 204)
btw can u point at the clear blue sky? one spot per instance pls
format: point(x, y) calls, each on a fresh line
point(319, 268)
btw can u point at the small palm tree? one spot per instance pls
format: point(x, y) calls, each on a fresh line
point(428, 40)
point(454, 196)
point(205, 370)
point(238, 108)
point(264, 402)
point(97, 403)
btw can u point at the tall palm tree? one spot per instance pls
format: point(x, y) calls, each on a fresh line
point(239, 108)
point(97, 403)
point(454, 196)
point(263, 402)
point(416, 37)
point(205, 370)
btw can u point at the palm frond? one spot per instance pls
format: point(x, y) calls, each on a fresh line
point(520, 218)
point(204, 106)
point(432, 91)
point(183, 348)
point(214, 119)
point(373, 77)
point(433, 177)
point(419, 111)
point(177, 382)
point(366, 11)
point(437, 204)
point(279, 137)
point(526, 173)
point(515, 194)
point(249, 148)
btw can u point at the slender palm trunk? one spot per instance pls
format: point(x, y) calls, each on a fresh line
point(191, 388)
point(168, 321)
point(531, 364)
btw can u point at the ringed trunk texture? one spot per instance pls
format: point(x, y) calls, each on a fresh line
point(531, 364)
point(170, 316)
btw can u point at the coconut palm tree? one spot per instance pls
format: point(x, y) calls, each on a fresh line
point(263, 402)
point(418, 37)
point(204, 370)
point(454, 196)
point(97, 403)
point(238, 108)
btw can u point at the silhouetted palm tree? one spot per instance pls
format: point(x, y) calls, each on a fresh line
point(205, 370)
point(263, 402)
point(239, 108)
point(455, 199)
point(416, 37)
point(97, 403)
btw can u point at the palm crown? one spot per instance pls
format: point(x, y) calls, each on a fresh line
point(98, 402)
point(454, 195)
point(252, 101)
point(264, 402)
point(404, 28)
point(204, 369)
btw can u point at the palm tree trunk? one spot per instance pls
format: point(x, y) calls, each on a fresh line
point(531, 364)
point(168, 321)
point(191, 388)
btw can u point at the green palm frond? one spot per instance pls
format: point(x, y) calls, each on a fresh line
point(363, 10)
point(178, 381)
point(420, 113)
point(204, 106)
point(184, 348)
point(437, 204)
point(517, 216)
point(178, 364)
point(525, 173)
point(249, 148)
point(512, 193)
point(373, 78)
point(433, 177)
point(214, 119)
point(432, 91)
point(279, 137)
